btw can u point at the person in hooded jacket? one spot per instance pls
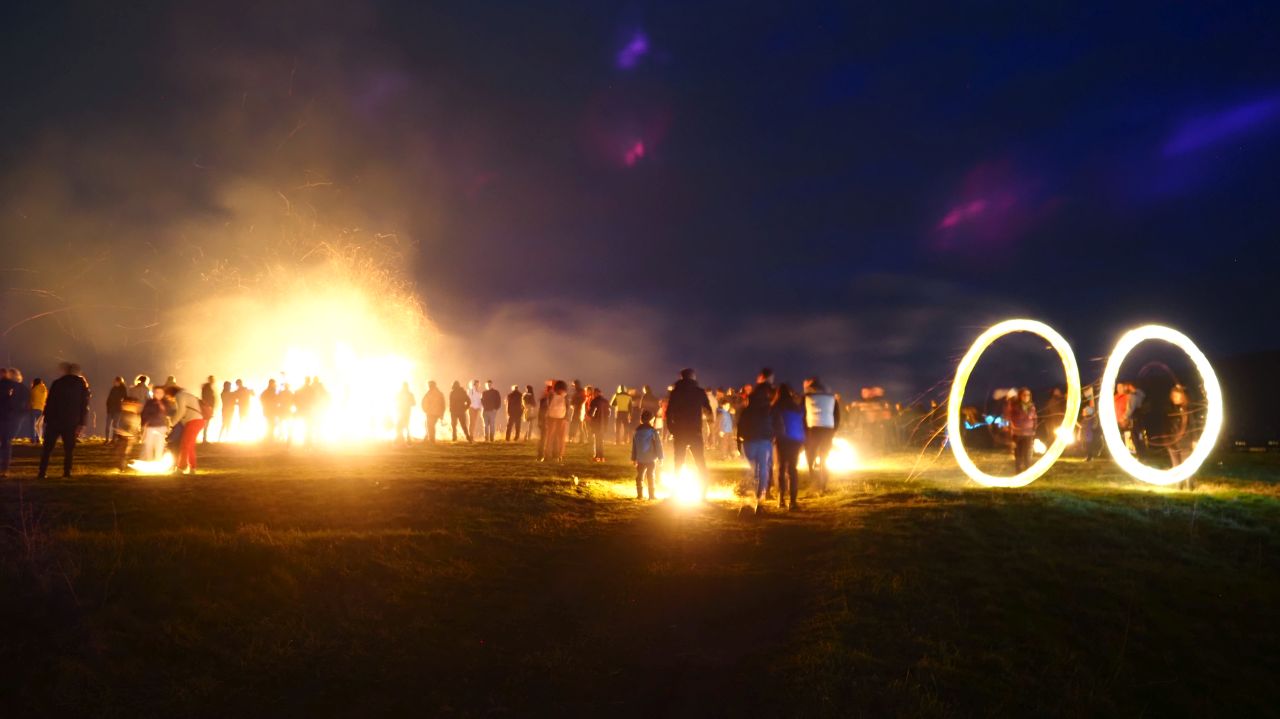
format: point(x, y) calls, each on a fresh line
point(433, 408)
point(788, 439)
point(459, 410)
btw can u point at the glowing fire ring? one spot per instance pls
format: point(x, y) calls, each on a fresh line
point(970, 360)
point(1111, 426)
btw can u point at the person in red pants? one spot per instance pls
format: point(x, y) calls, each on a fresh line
point(188, 419)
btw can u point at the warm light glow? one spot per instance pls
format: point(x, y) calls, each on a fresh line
point(1066, 434)
point(842, 457)
point(1038, 447)
point(1107, 408)
point(965, 368)
point(163, 465)
point(683, 486)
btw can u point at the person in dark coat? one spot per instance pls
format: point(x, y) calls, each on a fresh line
point(490, 404)
point(433, 407)
point(115, 398)
point(515, 411)
point(788, 440)
point(459, 403)
point(597, 418)
point(755, 432)
point(686, 405)
point(66, 412)
point(13, 409)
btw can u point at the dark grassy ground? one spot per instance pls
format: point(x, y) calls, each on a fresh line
point(470, 580)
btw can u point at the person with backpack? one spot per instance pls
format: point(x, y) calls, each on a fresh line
point(646, 454)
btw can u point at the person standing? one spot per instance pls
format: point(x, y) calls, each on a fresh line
point(515, 411)
point(475, 409)
point(598, 418)
point(433, 408)
point(490, 404)
point(821, 420)
point(404, 410)
point(244, 398)
point(115, 396)
point(228, 410)
point(208, 404)
point(559, 409)
point(127, 431)
point(155, 425)
point(755, 432)
point(271, 410)
point(13, 406)
point(188, 420)
point(35, 409)
point(788, 439)
point(646, 454)
point(621, 404)
point(686, 406)
point(1089, 426)
point(1022, 422)
point(65, 414)
point(459, 409)
point(530, 411)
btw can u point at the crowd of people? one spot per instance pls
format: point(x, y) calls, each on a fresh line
point(769, 424)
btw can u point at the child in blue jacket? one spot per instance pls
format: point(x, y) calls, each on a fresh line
point(646, 453)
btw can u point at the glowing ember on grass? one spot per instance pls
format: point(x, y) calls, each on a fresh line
point(163, 465)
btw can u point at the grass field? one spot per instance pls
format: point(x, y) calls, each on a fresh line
point(471, 580)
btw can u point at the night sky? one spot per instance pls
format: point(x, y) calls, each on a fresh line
point(847, 189)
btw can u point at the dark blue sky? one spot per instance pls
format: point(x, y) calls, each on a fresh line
point(842, 188)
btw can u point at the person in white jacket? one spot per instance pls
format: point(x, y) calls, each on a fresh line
point(475, 396)
point(821, 419)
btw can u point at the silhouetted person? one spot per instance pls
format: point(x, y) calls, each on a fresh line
point(115, 396)
point(433, 408)
point(459, 411)
point(208, 405)
point(686, 405)
point(755, 432)
point(490, 405)
point(271, 410)
point(244, 397)
point(788, 439)
point(515, 412)
point(577, 399)
point(530, 411)
point(404, 410)
point(65, 413)
point(228, 410)
point(559, 408)
point(13, 407)
point(597, 419)
point(621, 404)
point(475, 396)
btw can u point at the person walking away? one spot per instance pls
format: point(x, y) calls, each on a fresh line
point(821, 420)
point(188, 420)
point(13, 406)
point(155, 425)
point(686, 406)
point(127, 431)
point(404, 409)
point(559, 409)
point(598, 419)
point(1023, 421)
point(115, 396)
point(648, 400)
point(475, 396)
point(228, 398)
point(646, 454)
point(530, 403)
point(621, 404)
point(755, 432)
point(788, 437)
point(65, 414)
point(515, 411)
point(459, 409)
point(433, 408)
point(35, 409)
point(578, 399)
point(490, 403)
